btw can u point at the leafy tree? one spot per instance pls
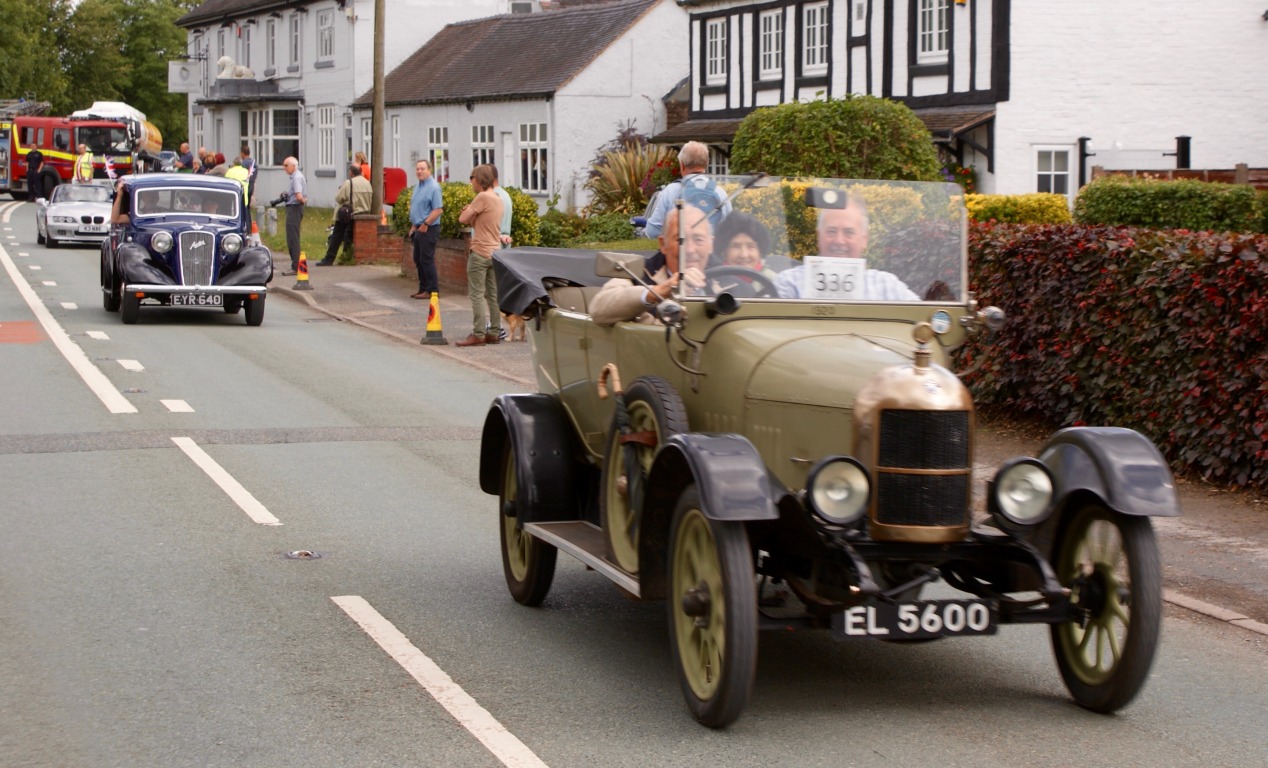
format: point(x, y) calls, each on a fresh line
point(858, 137)
point(29, 49)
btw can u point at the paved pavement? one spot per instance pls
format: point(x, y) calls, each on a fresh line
point(378, 297)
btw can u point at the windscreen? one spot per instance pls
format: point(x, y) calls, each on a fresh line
point(168, 201)
point(824, 240)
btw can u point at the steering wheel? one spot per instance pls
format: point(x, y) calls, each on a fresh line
point(740, 281)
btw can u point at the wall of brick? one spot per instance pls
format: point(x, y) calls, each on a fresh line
point(377, 244)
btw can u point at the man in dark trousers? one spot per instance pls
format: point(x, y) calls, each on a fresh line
point(354, 198)
point(425, 208)
point(46, 180)
point(33, 160)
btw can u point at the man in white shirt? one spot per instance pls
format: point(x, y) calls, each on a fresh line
point(843, 234)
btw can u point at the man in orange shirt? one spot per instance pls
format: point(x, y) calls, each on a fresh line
point(484, 216)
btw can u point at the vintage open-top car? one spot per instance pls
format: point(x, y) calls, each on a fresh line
point(181, 240)
point(786, 445)
point(75, 213)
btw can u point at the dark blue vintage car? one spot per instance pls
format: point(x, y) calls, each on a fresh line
point(180, 240)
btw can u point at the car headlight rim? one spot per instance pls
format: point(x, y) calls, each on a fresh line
point(1022, 493)
point(161, 242)
point(838, 490)
point(232, 244)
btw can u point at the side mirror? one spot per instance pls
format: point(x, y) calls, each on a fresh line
point(822, 197)
point(614, 264)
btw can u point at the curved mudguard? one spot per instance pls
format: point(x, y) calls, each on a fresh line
point(1121, 466)
point(731, 476)
point(137, 266)
point(254, 266)
point(540, 434)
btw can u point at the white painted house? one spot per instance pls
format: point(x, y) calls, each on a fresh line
point(1032, 94)
point(535, 94)
point(308, 60)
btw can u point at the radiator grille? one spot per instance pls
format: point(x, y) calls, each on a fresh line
point(86, 219)
point(923, 440)
point(198, 255)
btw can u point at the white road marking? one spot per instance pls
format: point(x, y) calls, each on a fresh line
point(34, 267)
point(134, 366)
point(23, 253)
point(98, 335)
point(49, 282)
point(69, 305)
point(177, 406)
point(232, 488)
point(493, 735)
point(114, 400)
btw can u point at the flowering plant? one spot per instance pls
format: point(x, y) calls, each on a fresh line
point(665, 171)
point(958, 174)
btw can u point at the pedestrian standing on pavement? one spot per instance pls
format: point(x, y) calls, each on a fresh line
point(297, 198)
point(83, 165)
point(362, 163)
point(484, 216)
point(354, 198)
point(425, 208)
point(45, 181)
point(504, 226)
point(185, 161)
point(694, 187)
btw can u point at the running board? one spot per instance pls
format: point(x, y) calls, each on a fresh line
point(584, 542)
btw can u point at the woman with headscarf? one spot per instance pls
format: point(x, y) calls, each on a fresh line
point(743, 241)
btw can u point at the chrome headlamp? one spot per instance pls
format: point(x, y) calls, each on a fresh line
point(232, 243)
point(1022, 493)
point(838, 490)
point(161, 242)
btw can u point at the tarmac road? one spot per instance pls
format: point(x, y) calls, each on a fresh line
point(1215, 556)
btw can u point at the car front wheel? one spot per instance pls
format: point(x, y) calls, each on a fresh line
point(255, 310)
point(712, 612)
point(130, 307)
point(527, 561)
point(110, 298)
point(1110, 563)
point(653, 412)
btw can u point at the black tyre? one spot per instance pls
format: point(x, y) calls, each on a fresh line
point(52, 242)
point(110, 290)
point(527, 562)
point(655, 412)
point(130, 308)
point(1110, 562)
point(39, 235)
point(255, 310)
point(712, 612)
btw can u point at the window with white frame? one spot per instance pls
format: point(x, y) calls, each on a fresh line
point(438, 151)
point(931, 31)
point(270, 44)
point(246, 45)
point(715, 51)
point(273, 135)
point(534, 176)
point(221, 36)
point(1053, 171)
point(325, 35)
point(718, 163)
point(482, 145)
point(396, 141)
point(196, 135)
point(814, 28)
point(326, 137)
point(295, 39)
point(771, 45)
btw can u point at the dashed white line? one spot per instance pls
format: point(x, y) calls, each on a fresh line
point(135, 367)
point(232, 488)
point(177, 406)
point(69, 305)
point(34, 267)
point(98, 335)
point(114, 400)
point(467, 711)
point(49, 282)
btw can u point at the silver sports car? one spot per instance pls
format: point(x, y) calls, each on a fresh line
point(76, 213)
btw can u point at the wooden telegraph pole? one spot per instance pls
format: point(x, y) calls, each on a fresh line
point(376, 119)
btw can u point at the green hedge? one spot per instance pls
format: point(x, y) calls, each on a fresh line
point(1160, 331)
point(858, 137)
point(455, 196)
point(1035, 208)
point(1180, 204)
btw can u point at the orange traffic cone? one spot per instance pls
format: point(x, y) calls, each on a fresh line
point(255, 233)
point(434, 333)
point(301, 274)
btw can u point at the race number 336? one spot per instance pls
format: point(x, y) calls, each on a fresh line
point(827, 277)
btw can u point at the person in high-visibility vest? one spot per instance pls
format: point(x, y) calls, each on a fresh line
point(83, 165)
